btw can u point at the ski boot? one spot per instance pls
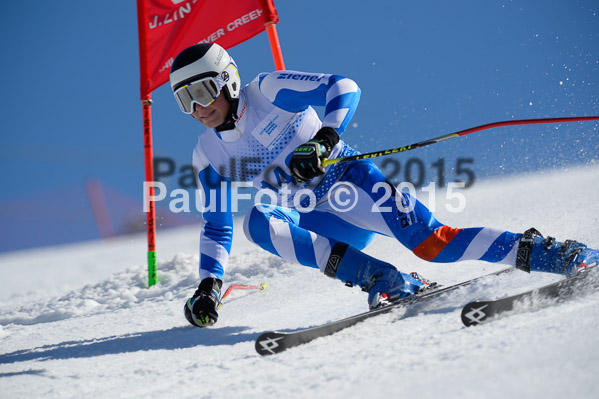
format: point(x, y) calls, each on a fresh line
point(380, 279)
point(384, 298)
point(536, 253)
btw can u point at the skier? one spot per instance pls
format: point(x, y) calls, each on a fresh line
point(267, 133)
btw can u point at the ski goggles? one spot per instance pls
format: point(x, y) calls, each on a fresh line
point(202, 91)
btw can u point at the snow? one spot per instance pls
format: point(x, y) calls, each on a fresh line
point(79, 321)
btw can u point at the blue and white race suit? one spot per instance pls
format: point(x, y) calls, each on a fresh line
point(275, 115)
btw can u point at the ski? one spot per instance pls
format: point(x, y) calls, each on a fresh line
point(477, 312)
point(270, 343)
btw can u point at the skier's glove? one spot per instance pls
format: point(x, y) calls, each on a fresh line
point(306, 160)
point(201, 310)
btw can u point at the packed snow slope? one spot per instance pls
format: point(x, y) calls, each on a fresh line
point(79, 321)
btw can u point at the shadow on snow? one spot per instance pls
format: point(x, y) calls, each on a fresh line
point(174, 338)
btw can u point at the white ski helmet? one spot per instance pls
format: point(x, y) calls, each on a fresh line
point(200, 72)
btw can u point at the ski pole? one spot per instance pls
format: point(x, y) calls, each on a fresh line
point(460, 133)
point(262, 287)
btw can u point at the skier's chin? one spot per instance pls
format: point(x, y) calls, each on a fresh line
point(212, 119)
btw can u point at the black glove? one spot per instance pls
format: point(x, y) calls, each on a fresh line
point(201, 309)
point(306, 160)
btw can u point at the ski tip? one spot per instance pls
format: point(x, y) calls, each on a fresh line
point(269, 343)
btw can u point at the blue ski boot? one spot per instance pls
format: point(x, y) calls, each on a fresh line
point(536, 253)
point(380, 279)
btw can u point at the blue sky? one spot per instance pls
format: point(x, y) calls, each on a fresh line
point(70, 93)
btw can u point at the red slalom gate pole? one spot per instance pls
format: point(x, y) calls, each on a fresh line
point(273, 38)
point(275, 46)
point(460, 133)
point(151, 214)
point(146, 102)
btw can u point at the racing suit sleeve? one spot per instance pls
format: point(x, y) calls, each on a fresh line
point(296, 91)
point(216, 235)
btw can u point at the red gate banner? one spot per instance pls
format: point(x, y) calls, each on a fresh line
point(166, 27)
